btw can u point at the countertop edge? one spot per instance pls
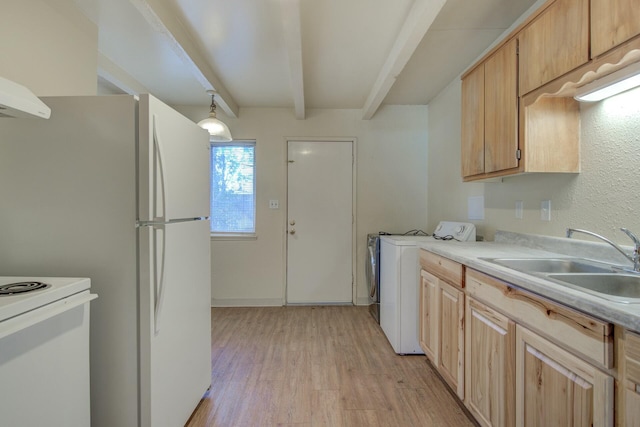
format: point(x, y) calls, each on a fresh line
point(471, 253)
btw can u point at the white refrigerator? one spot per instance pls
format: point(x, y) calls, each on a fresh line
point(116, 189)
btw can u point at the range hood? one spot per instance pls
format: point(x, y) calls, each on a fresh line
point(18, 101)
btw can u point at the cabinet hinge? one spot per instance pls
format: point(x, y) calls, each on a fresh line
point(518, 154)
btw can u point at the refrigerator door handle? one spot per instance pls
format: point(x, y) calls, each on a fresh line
point(171, 221)
point(158, 177)
point(158, 276)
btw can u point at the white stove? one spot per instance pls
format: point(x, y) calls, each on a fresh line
point(14, 304)
point(44, 351)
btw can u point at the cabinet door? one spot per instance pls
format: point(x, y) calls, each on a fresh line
point(632, 405)
point(452, 336)
point(501, 109)
point(489, 365)
point(556, 42)
point(473, 122)
point(613, 22)
point(429, 316)
point(555, 388)
point(631, 388)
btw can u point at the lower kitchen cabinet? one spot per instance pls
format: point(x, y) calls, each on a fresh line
point(631, 381)
point(556, 388)
point(442, 317)
point(490, 365)
point(451, 352)
point(429, 329)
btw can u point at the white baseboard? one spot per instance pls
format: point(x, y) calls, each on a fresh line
point(262, 302)
point(362, 301)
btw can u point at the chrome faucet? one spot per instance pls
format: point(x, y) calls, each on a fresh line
point(634, 257)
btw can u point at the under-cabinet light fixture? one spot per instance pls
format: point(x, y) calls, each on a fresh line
point(218, 131)
point(612, 84)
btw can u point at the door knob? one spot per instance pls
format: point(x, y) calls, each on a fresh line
point(292, 222)
point(293, 231)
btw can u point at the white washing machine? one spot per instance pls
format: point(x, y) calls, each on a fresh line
point(399, 290)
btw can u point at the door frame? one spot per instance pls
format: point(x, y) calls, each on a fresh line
point(285, 225)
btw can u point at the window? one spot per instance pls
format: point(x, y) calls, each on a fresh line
point(233, 195)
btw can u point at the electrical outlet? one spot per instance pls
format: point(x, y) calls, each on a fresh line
point(545, 210)
point(519, 209)
point(274, 204)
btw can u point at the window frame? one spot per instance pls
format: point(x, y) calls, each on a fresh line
point(236, 235)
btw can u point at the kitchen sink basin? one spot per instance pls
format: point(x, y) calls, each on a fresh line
point(551, 265)
point(616, 287)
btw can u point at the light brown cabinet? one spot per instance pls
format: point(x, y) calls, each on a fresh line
point(630, 388)
point(442, 317)
point(451, 365)
point(490, 114)
point(554, 387)
point(559, 375)
point(554, 43)
point(612, 23)
point(490, 365)
point(428, 326)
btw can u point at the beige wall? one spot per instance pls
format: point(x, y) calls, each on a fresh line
point(48, 46)
point(391, 178)
point(602, 198)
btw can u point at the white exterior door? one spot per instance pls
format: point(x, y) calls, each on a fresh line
point(320, 222)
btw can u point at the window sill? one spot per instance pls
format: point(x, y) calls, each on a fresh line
point(234, 236)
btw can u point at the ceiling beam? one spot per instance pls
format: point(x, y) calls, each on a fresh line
point(293, 43)
point(418, 22)
point(165, 20)
point(111, 72)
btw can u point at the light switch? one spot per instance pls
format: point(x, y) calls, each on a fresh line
point(274, 204)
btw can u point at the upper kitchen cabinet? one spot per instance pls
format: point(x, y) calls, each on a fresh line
point(490, 114)
point(473, 122)
point(554, 43)
point(503, 135)
point(612, 23)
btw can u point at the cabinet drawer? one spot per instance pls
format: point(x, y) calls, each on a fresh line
point(444, 268)
point(584, 335)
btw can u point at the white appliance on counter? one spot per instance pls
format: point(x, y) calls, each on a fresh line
point(399, 290)
point(44, 351)
point(117, 189)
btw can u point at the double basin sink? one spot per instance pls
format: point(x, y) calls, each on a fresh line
point(599, 279)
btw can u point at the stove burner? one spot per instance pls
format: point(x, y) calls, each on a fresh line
point(21, 288)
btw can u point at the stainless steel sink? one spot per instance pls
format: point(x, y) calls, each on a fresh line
point(551, 265)
point(616, 287)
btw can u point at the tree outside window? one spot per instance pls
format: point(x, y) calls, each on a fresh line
point(233, 187)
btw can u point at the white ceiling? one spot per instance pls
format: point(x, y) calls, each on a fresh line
point(297, 54)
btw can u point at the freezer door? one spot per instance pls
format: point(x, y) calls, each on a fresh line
point(175, 321)
point(173, 165)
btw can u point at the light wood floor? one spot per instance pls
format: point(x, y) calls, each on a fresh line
point(317, 366)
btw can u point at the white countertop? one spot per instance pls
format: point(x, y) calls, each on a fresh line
point(470, 254)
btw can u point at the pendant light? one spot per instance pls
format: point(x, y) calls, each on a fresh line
point(218, 131)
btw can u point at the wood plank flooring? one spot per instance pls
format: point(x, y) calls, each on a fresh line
point(317, 366)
